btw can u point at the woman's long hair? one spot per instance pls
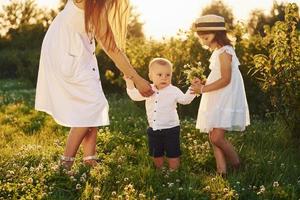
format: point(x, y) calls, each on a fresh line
point(114, 13)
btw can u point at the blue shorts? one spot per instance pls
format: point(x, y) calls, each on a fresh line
point(164, 142)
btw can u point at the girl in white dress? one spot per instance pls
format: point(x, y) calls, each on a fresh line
point(68, 86)
point(223, 104)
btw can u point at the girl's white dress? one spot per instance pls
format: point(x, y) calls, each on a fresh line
point(68, 86)
point(227, 107)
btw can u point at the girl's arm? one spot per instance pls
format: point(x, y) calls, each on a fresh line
point(119, 58)
point(225, 61)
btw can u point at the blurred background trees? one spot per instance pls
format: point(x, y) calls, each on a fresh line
point(267, 46)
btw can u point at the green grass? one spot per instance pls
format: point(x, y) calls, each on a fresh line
point(31, 143)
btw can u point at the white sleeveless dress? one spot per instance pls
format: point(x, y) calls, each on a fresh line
point(226, 108)
point(68, 86)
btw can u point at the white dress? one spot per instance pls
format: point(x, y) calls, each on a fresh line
point(226, 108)
point(68, 86)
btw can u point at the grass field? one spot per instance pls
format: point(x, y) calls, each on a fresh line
point(31, 143)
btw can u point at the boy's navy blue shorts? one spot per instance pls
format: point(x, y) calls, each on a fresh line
point(164, 142)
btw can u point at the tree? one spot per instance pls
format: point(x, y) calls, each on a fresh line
point(278, 70)
point(135, 27)
point(18, 14)
point(24, 25)
point(217, 7)
point(258, 19)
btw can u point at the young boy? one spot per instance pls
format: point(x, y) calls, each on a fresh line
point(164, 129)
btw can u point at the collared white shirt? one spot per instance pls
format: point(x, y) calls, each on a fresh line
point(161, 106)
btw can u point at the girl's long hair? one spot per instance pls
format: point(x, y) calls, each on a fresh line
point(220, 37)
point(115, 14)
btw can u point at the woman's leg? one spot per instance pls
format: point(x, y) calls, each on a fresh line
point(74, 140)
point(89, 146)
point(89, 142)
point(218, 139)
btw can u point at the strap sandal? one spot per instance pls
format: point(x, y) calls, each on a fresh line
point(91, 161)
point(67, 162)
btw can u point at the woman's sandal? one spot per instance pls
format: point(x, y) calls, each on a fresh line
point(66, 162)
point(90, 160)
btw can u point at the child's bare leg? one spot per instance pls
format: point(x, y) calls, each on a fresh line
point(220, 160)
point(219, 156)
point(218, 139)
point(158, 162)
point(174, 163)
point(75, 138)
point(89, 146)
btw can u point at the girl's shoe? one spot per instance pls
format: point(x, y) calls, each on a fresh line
point(90, 160)
point(67, 162)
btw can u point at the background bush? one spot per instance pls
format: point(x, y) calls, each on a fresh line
point(20, 50)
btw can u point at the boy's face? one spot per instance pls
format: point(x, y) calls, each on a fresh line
point(206, 39)
point(160, 75)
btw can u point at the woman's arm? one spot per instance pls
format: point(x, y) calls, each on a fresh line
point(225, 61)
point(132, 92)
point(120, 59)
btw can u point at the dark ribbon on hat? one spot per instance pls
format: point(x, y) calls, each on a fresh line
point(210, 24)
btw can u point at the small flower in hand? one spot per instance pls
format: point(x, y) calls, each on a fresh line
point(193, 72)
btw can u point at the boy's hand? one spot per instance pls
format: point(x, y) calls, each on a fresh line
point(129, 82)
point(127, 78)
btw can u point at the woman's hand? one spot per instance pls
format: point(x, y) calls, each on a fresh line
point(143, 87)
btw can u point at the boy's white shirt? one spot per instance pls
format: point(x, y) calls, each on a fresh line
point(161, 106)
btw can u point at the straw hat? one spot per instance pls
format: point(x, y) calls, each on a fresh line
point(209, 23)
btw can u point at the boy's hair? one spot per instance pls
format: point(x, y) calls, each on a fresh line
point(160, 61)
point(220, 37)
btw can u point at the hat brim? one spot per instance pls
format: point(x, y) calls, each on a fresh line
point(210, 29)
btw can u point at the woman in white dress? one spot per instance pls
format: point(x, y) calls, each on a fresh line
point(68, 86)
point(223, 104)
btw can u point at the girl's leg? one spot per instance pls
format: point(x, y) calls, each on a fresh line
point(174, 163)
point(219, 156)
point(218, 139)
point(75, 138)
point(158, 162)
point(89, 146)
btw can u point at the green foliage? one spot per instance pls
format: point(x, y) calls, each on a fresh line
point(278, 69)
point(19, 13)
point(30, 152)
point(20, 49)
point(25, 26)
point(258, 19)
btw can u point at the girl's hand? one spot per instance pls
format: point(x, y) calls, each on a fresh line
point(197, 86)
point(143, 87)
point(195, 81)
